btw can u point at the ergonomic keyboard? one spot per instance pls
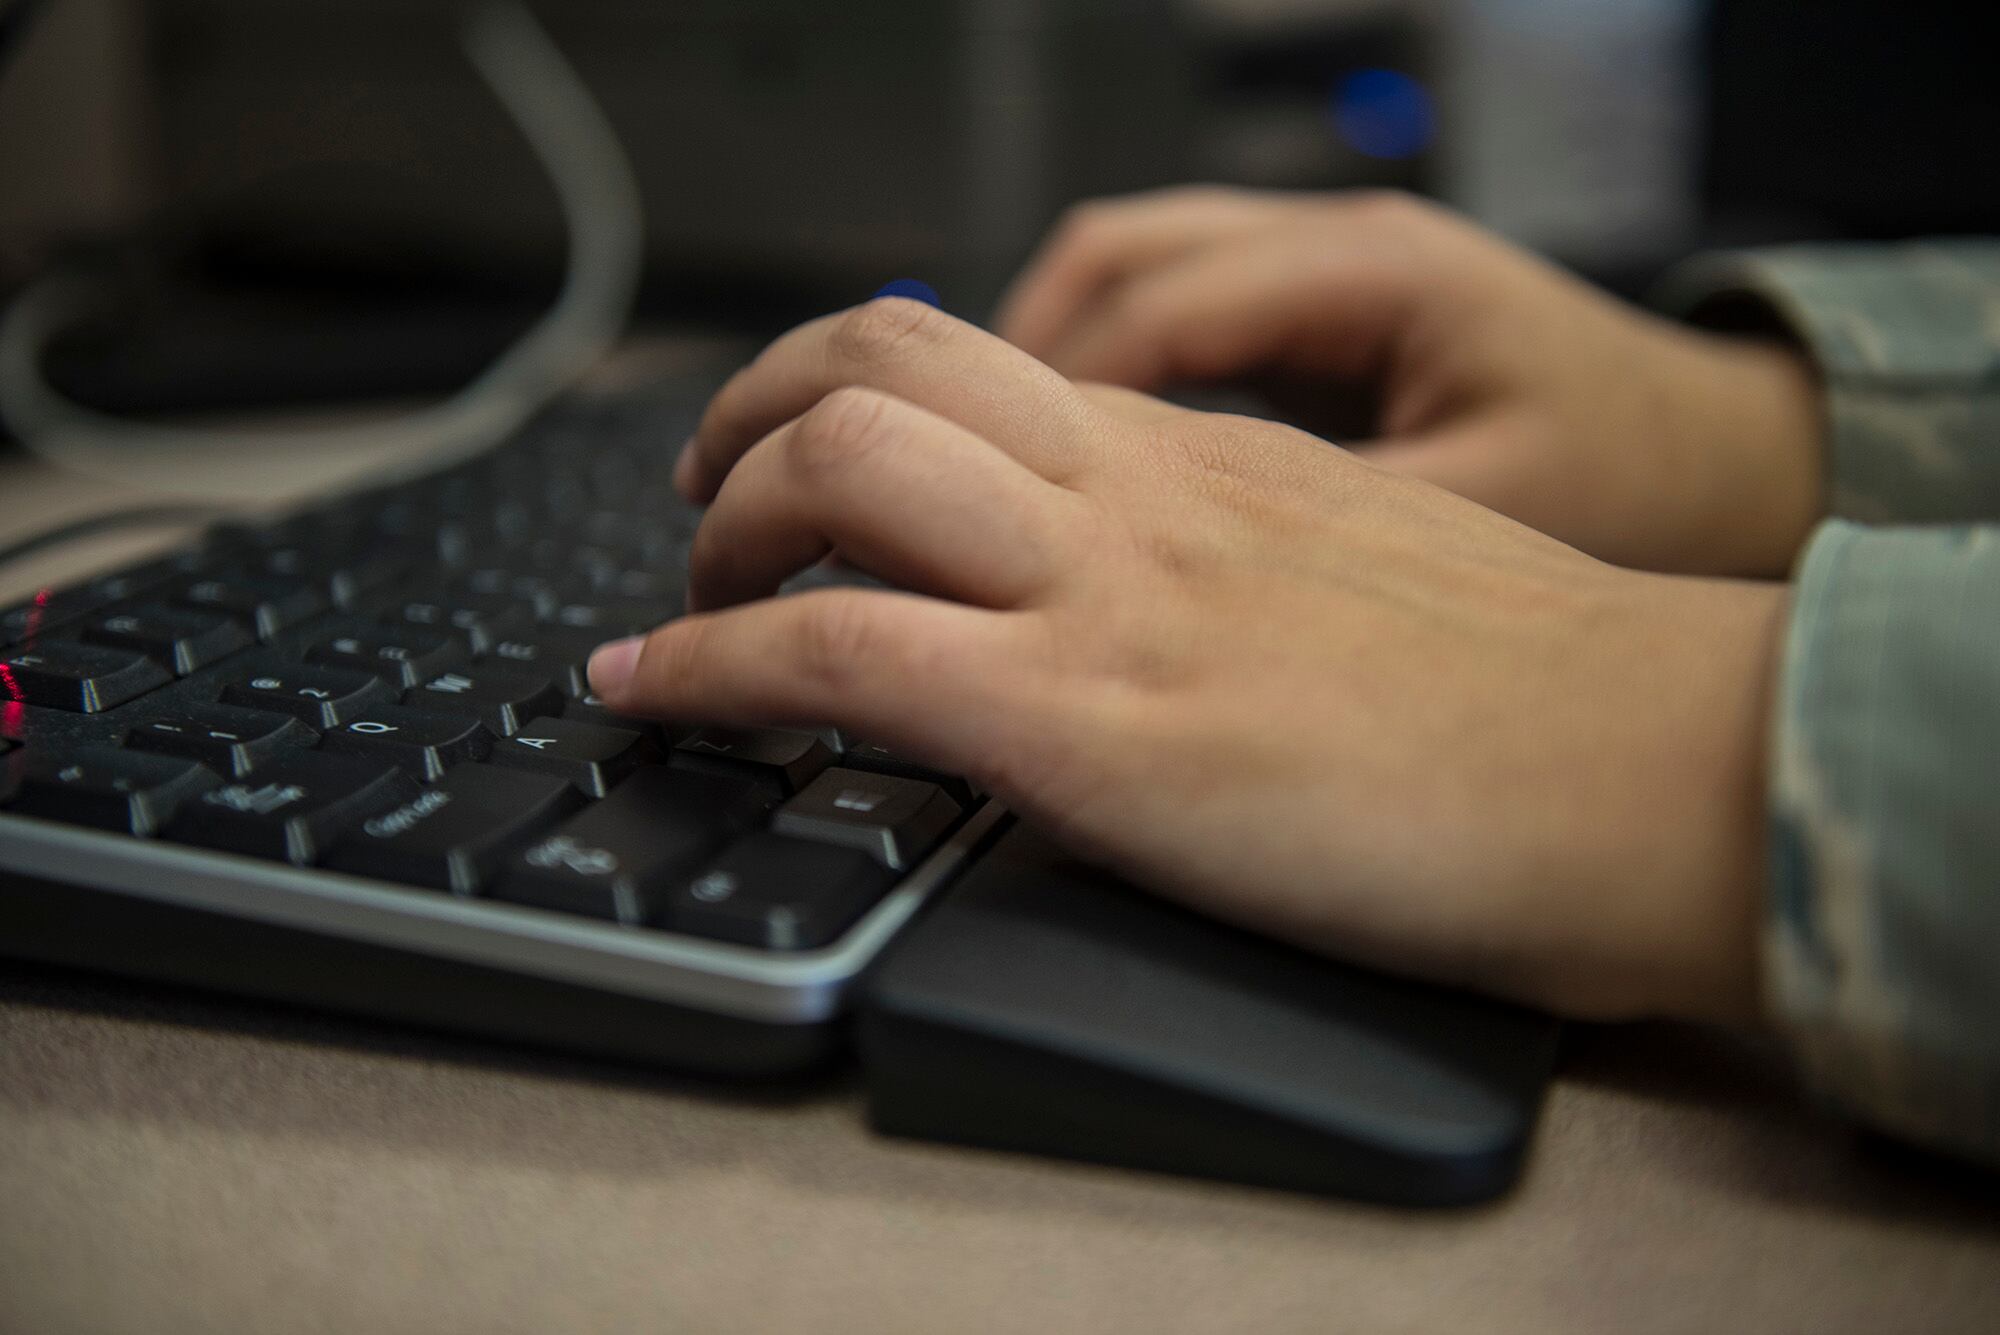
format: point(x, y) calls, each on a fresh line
point(349, 756)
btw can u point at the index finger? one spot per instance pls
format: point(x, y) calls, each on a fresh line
point(1099, 243)
point(903, 348)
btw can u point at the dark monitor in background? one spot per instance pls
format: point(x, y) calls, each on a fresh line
point(1863, 119)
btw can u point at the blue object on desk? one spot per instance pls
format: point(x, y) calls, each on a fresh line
point(914, 289)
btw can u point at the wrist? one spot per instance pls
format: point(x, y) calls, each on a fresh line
point(1765, 424)
point(1713, 905)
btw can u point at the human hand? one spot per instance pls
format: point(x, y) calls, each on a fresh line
point(1490, 372)
point(1248, 669)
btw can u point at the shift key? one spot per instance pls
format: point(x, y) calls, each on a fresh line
point(633, 847)
point(453, 835)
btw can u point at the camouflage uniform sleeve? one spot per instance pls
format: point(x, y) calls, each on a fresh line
point(1882, 947)
point(1907, 342)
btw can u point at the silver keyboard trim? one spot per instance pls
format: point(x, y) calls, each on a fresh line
point(808, 987)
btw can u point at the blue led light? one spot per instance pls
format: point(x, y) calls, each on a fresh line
point(1383, 114)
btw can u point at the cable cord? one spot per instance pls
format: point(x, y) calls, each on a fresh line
point(599, 196)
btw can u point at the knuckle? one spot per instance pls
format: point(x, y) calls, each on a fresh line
point(884, 329)
point(1386, 207)
point(839, 429)
point(1081, 225)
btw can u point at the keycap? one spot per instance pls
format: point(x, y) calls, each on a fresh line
point(881, 760)
point(591, 757)
point(560, 654)
point(229, 740)
point(501, 698)
point(534, 593)
point(896, 821)
point(110, 789)
point(294, 808)
point(423, 743)
point(179, 637)
point(453, 836)
point(82, 678)
point(614, 618)
point(346, 579)
point(476, 620)
point(47, 611)
point(268, 602)
point(618, 856)
point(400, 656)
point(588, 708)
point(778, 893)
point(783, 760)
point(317, 695)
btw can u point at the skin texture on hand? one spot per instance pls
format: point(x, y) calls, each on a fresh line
point(1251, 670)
point(1489, 372)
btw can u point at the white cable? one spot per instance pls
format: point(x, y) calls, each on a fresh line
point(599, 196)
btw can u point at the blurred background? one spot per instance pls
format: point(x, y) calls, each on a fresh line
point(319, 199)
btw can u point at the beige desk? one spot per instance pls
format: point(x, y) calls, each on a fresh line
point(178, 1163)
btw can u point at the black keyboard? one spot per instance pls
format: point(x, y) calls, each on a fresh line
point(349, 757)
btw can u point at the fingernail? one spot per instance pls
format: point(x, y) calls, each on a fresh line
point(611, 665)
point(684, 469)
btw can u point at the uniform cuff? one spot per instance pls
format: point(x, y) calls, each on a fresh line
point(1907, 342)
point(1882, 956)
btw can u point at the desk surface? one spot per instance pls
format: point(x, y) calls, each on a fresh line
point(172, 1162)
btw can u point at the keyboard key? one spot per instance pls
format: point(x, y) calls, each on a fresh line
point(230, 741)
point(400, 657)
point(346, 580)
point(423, 743)
point(589, 709)
point(612, 619)
point(293, 809)
point(179, 637)
point(622, 853)
point(47, 611)
point(477, 620)
point(591, 757)
point(453, 836)
point(778, 893)
point(560, 654)
point(782, 760)
point(532, 593)
point(108, 788)
point(269, 603)
point(881, 760)
point(896, 821)
point(82, 678)
point(316, 695)
point(501, 698)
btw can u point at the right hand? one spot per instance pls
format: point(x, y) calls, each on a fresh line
point(1493, 374)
